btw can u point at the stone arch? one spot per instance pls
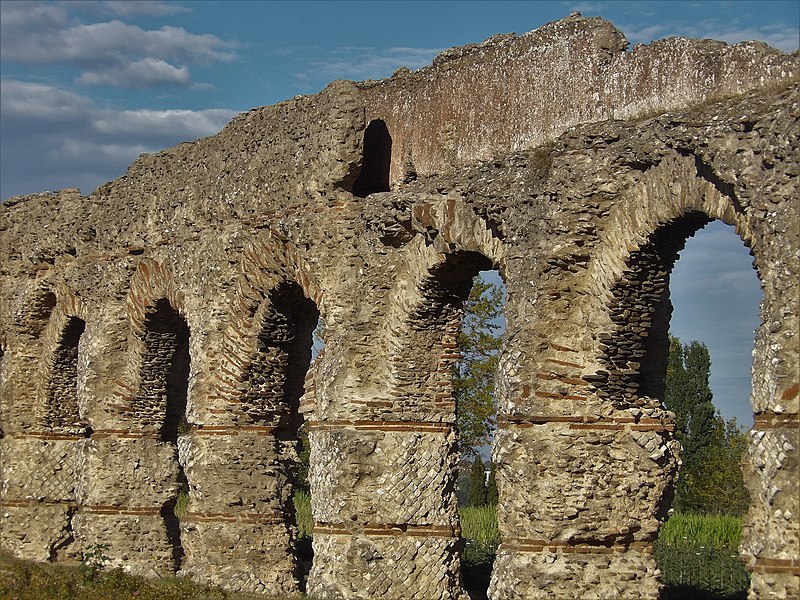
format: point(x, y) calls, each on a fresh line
point(160, 401)
point(376, 160)
point(451, 229)
point(34, 314)
point(57, 383)
point(60, 410)
point(672, 201)
point(148, 401)
point(151, 290)
point(400, 427)
point(266, 264)
point(251, 418)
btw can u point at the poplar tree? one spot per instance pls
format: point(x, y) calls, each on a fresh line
point(710, 479)
point(479, 341)
point(477, 483)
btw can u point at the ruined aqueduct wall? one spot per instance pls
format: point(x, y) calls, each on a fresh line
point(157, 332)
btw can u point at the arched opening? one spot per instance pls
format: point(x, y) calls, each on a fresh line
point(61, 415)
point(459, 325)
point(374, 176)
point(273, 386)
point(646, 363)
point(715, 293)
point(61, 412)
point(474, 377)
point(162, 397)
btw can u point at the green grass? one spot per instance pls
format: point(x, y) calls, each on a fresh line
point(25, 580)
point(698, 556)
point(302, 506)
point(479, 523)
point(703, 530)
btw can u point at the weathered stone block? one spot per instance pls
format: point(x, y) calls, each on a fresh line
point(386, 567)
point(240, 556)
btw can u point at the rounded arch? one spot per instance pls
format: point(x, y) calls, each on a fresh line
point(630, 274)
point(275, 283)
point(456, 245)
point(376, 160)
point(155, 308)
point(58, 382)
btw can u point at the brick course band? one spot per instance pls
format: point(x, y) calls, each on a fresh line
point(765, 421)
point(617, 423)
point(125, 434)
point(134, 511)
point(232, 430)
point(417, 426)
point(274, 518)
point(774, 565)
point(395, 530)
point(530, 545)
point(46, 435)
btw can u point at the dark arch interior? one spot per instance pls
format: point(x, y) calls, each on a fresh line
point(273, 386)
point(61, 411)
point(163, 395)
point(636, 351)
point(377, 159)
point(435, 327)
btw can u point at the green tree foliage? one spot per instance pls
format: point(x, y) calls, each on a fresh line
point(689, 396)
point(474, 375)
point(477, 483)
point(711, 477)
point(492, 495)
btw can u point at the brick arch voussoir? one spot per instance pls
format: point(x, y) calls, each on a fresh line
point(267, 263)
point(151, 282)
point(672, 198)
point(68, 305)
point(459, 231)
point(664, 193)
point(30, 312)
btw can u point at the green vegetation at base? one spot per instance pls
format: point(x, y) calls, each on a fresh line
point(25, 580)
point(698, 558)
point(302, 507)
point(710, 480)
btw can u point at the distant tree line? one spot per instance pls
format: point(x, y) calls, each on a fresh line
point(710, 479)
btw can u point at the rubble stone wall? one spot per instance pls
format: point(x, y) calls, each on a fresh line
point(156, 333)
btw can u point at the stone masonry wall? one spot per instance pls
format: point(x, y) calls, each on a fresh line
point(156, 333)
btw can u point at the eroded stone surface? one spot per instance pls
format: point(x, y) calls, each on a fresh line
point(244, 238)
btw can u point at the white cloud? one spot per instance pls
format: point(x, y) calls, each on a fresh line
point(145, 73)
point(355, 62)
point(784, 37)
point(133, 8)
point(113, 42)
point(110, 52)
point(176, 123)
point(20, 18)
point(54, 138)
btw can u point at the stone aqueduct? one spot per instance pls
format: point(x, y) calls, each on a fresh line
point(160, 327)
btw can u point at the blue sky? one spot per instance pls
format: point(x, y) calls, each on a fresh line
point(88, 86)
